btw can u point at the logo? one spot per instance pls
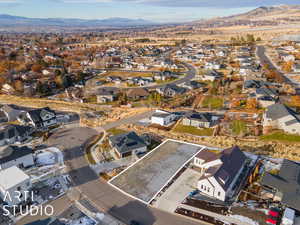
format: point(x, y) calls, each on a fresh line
point(13, 208)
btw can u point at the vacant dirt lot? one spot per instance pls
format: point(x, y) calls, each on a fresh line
point(148, 176)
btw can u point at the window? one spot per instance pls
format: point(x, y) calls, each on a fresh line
point(202, 186)
point(219, 193)
point(208, 189)
point(19, 188)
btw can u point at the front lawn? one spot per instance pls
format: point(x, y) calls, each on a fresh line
point(238, 127)
point(193, 130)
point(281, 136)
point(212, 102)
point(116, 131)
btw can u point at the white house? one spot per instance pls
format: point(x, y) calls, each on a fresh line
point(162, 118)
point(12, 182)
point(21, 157)
point(279, 116)
point(219, 172)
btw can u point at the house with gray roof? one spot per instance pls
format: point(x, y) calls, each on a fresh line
point(127, 144)
point(10, 134)
point(39, 118)
point(11, 112)
point(200, 120)
point(171, 90)
point(220, 172)
point(280, 116)
point(21, 157)
point(285, 186)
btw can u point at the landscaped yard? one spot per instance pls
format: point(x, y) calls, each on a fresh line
point(193, 130)
point(212, 102)
point(281, 136)
point(116, 131)
point(238, 127)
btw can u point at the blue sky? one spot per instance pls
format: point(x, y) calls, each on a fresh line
point(155, 10)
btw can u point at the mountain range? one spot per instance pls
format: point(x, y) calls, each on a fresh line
point(17, 21)
point(262, 16)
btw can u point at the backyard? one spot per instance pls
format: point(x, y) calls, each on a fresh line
point(193, 130)
point(281, 136)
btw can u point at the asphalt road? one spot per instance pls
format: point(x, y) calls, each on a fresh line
point(129, 120)
point(265, 60)
point(99, 192)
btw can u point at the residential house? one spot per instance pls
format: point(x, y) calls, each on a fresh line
point(13, 181)
point(265, 101)
point(296, 68)
point(284, 186)
point(137, 94)
point(105, 95)
point(192, 84)
point(167, 63)
point(200, 120)
point(21, 157)
point(211, 75)
point(127, 144)
point(171, 90)
point(12, 112)
point(220, 172)
point(279, 116)
point(213, 65)
point(10, 134)
point(163, 118)
point(165, 75)
point(265, 91)
point(246, 70)
point(39, 118)
point(287, 57)
point(8, 89)
point(114, 79)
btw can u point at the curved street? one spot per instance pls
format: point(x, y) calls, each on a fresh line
point(190, 74)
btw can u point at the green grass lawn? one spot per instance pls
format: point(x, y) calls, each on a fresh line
point(193, 130)
point(116, 131)
point(212, 102)
point(238, 127)
point(281, 136)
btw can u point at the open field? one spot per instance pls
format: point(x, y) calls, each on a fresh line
point(144, 179)
point(193, 130)
point(281, 136)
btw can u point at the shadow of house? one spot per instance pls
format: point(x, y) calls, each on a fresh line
point(133, 211)
point(82, 175)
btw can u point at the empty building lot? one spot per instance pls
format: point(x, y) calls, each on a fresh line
point(144, 179)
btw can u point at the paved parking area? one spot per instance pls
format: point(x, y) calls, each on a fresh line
point(178, 191)
point(145, 178)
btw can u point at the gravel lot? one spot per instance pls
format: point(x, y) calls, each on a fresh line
point(144, 179)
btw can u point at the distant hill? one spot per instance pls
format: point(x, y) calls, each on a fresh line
point(265, 15)
point(17, 21)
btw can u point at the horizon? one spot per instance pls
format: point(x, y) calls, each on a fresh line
point(159, 11)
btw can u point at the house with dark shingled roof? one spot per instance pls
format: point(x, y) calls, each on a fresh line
point(220, 171)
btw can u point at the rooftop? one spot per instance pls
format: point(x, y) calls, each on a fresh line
point(11, 177)
point(287, 181)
